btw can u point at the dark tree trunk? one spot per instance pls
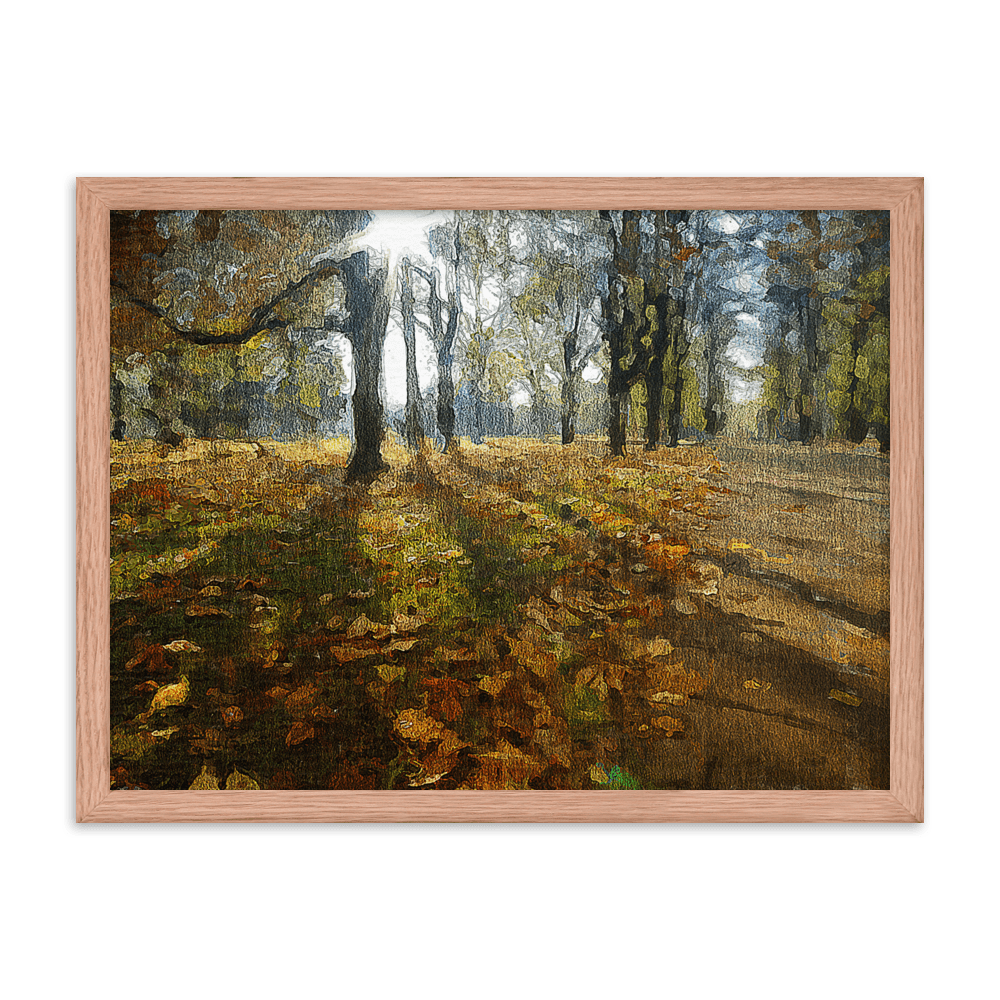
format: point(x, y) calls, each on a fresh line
point(616, 423)
point(445, 359)
point(659, 339)
point(368, 306)
point(444, 339)
point(809, 372)
point(413, 427)
point(654, 403)
point(166, 434)
point(117, 422)
point(617, 320)
point(570, 342)
point(675, 420)
point(713, 397)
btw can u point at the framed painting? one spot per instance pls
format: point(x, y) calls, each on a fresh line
point(486, 500)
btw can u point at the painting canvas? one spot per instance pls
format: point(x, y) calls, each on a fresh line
point(500, 500)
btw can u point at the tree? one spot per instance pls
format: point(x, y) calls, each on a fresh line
point(644, 310)
point(857, 330)
point(445, 244)
point(367, 301)
point(232, 279)
point(622, 300)
point(412, 423)
point(800, 257)
point(828, 371)
point(564, 248)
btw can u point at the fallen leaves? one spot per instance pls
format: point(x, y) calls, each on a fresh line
point(669, 725)
point(201, 611)
point(151, 658)
point(505, 767)
point(171, 695)
point(299, 733)
point(183, 646)
point(413, 724)
point(846, 698)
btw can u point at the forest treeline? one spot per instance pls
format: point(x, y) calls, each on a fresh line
point(659, 325)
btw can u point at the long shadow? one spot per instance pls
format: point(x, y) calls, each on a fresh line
point(747, 743)
point(266, 698)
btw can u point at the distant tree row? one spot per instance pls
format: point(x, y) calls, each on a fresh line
point(237, 324)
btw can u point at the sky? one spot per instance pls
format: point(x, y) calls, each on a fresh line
point(393, 235)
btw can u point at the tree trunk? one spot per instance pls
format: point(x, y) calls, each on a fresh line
point(675, 420)
point(616, 423)
point(117, 421)
point(570, 342)
point(809, 372)
point(446, 382)
point(659, 340)
point(713, 396)
point(654, 403)
point(413, 426)
point(368, 305)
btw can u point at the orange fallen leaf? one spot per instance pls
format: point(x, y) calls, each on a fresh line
point(505, 767)
point(152, 657)
point(299, 733)
point(232, 715)
point(413, 724)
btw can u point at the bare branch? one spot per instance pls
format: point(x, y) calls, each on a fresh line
point(259, 320)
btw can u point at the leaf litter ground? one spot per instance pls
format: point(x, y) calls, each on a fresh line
point(513, 615)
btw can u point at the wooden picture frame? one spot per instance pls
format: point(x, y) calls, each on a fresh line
point(96, 197)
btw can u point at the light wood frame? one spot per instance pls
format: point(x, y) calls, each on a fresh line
point(96, 197)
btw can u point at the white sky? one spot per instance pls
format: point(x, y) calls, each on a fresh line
point(393, 235)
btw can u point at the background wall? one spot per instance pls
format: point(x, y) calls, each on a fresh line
point(534, 89)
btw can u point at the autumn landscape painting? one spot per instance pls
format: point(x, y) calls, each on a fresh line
point(500, 499)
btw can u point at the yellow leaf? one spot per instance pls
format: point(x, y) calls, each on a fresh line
point(659, 647)
point(240, 782)
point(599, 774)
point(413, 724)
point(407, 623)
point(847, 699)
point(390, 671)
point(496, 683)
point(182, 646)
point(400, 645)
point(206, 781)
point(669, 697)
point(170, 695)
point(344, 654)
point(361, 625)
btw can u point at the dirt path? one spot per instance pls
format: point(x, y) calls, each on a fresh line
point(797, 630)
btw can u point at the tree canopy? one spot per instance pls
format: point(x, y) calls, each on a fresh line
point(653, 324)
